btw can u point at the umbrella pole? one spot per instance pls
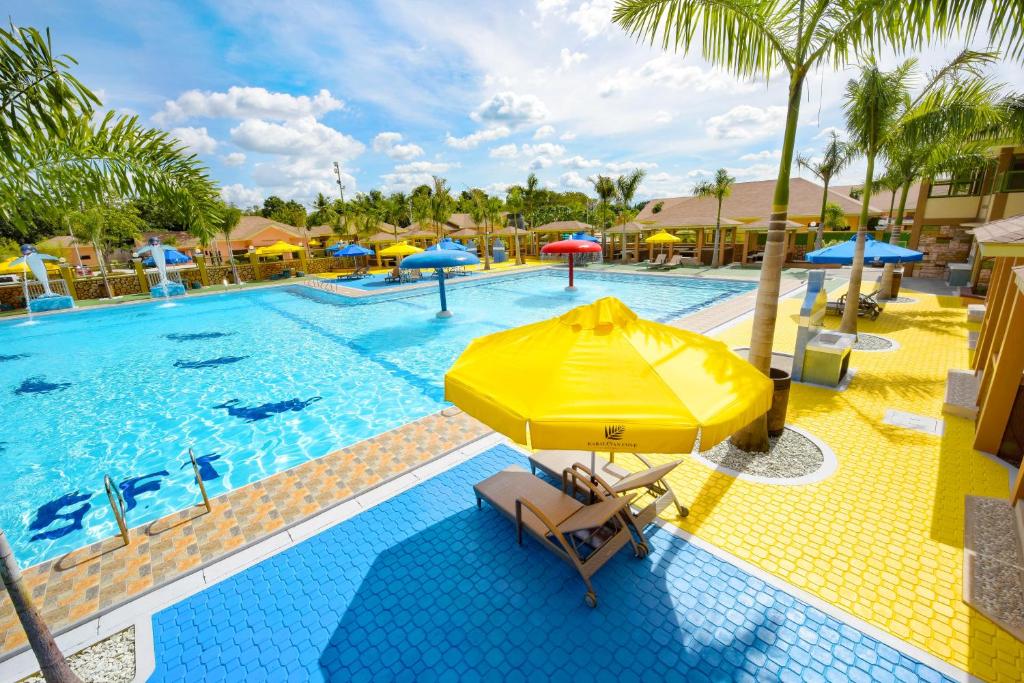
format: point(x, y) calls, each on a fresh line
point(444, 312)
point(571, 288)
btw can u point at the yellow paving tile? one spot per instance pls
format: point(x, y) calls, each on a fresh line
point(882, 538)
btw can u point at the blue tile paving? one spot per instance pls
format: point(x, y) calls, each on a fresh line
point(426, 587)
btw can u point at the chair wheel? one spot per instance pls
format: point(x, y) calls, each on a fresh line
point(641, 551)
point(591, 599)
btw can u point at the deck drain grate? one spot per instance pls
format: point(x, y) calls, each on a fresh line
point(918, 423)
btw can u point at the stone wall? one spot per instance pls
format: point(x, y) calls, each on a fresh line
point(12, 296)
point(93, 288)
point(942, 244)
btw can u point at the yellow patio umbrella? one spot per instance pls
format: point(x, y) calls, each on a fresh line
point(663, 237)
point(278, 248)
point(314, 243)
point(600, 378)
point(7, 269)
point(400, 249)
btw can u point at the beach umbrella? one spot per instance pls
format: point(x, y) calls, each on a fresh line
point(440, 259)
point(599, 378)
point(172, 257)
point(400, 249)
point(584, 236)
point(874, 252)
point(6, 267)
point(571, 247)
point(447, 243)
point(663, 237)
point(353, 250)
point(278, 248)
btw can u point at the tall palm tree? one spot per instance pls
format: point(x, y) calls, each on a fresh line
point(492, 214)
point(230, 217)
point(720, 188)
point(478, 212)
point(754, 38)
point(604, 187)
point(530, 191)
point(625, 188)
point(441, 205)
point(514, 203)
point(834, 159)
point(89, 226)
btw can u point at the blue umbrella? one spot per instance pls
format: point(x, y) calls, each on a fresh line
point(172, 257)
point(335, 247)
point(439, 259)
point(446, 243)
point(874, 252)
point(584, 236)
point(353, 250)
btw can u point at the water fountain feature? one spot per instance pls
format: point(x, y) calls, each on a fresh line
point(164, 288)
point(49, 300)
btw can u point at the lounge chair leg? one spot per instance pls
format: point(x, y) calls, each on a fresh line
point(683, 510)
point(478, 503)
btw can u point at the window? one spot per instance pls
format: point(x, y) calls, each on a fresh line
point(956, 186)
point(1013, 179)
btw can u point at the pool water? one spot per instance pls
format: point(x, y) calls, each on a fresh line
point(255, 381)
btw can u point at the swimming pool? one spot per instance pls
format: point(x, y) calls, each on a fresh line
point(255, 381)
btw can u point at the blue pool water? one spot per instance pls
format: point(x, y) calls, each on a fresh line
point(255, 381)
point(426, 587)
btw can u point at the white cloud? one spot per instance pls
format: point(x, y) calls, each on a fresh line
point(545, 6)
point(473, 139)
point(593, 18)
point(661, 116)
point(746, 122)
point(763, 155)
point(410, 175)
point(388, 144)
point(298, 136)
point(579, 162)
point(827, 132)
point(574, 180)
point(569, 58)
point(628, 166)
point(662, 185)
point(543, 132)
point(196, 139)
point(763, 171)
point(424, 167)
point(240, 195)
point(300, 177)
point(567, 137)
point(538, 163)
point(548, 149)
point(504, 152)
point(234, 159)
point(244, 103)
point(510, 108)
point(669, 71)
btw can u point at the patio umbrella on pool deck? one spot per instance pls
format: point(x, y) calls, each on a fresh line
point(663, 237)
point(600, 378)
point(353, 251)
point(571, 247)
point(584, 236)
point(440, 259)
point(874, 252)
point(399, 250)
point(171, 257)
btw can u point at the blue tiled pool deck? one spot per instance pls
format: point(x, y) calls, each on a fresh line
point(425, 586)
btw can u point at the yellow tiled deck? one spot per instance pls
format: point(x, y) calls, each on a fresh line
point(883, 537)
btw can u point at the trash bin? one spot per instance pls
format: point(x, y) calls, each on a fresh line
point(827, 358)
point(897, 280)
point(958, 274)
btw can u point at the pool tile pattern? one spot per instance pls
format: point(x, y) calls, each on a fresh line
point(78, 585)
point(425, 586)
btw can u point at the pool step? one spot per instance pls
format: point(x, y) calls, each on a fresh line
point(975, 313)
point(961, 394)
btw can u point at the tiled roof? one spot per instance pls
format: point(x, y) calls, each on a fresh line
point(1004, 231)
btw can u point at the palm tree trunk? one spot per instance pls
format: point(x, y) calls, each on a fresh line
point(52, 664)
point(754, 437)
point(849, 324)
point(231, 259)
point(886, 287)
point(487, 255)
point(819, 234)
point(715, 258)
point(103, 268)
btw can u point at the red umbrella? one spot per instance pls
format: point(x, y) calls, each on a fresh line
point(571, 247)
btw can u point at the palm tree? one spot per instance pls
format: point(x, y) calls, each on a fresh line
point(719, 188)
point(230, 217)
point(492, 214)
point(754, 38)
point(441, 205)
point(478, 212)
point(604, 187)
point(514, 202)
point(89, 226)
point(834, 217)
point(625, 187)
point(836, 157)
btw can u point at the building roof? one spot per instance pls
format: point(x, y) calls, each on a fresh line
point(563, 226)
point(63, 242)
point(882, 199)
point(1004, 237)
point(762, 224)
point(748, 201)
point(631, 228)
point(250, 226)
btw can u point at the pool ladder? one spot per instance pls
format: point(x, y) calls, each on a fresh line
point(119, 508)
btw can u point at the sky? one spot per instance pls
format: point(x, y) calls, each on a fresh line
point(271, 94)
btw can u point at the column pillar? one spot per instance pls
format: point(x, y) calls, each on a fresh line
point(998, 293)
point(1002, 380)
point(140, 273)
point(204, 276)
point(254, 259)
point(69, 280)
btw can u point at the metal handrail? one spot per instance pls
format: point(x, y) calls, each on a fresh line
point(117, 504)
point(199, 480)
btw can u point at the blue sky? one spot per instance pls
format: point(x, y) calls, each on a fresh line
point(269, 94)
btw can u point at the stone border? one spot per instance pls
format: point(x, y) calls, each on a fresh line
point(893, 344)
point(828, 467)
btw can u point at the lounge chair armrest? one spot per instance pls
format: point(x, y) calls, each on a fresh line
point(595, 515)
point(545, 520)
point(645, 478)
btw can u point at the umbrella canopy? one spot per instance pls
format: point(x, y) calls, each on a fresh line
point(353, 250)
point(662, 237)
point(571, 247)
point(874, 252)
point(447, 243)
point(314, 243)
point(440, 259)
point(278, 248)
point(172, 257)
point(7, 269)
point(600, 378)
point(400, 249)
point(584, 236)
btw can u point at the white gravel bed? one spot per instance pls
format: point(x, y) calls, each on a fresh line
point(789, 456)
point(108, 661)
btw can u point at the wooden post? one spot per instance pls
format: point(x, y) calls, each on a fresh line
point(745, 249)
point(1001, 288)
point(204, 275)
point(1002, 380)
point(69, 280)
point(140, 273)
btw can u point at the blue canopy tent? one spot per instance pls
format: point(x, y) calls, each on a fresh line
point(874, 252)
point(584, 236)
point(172, 257)
point(439, 259)
point(353, 250)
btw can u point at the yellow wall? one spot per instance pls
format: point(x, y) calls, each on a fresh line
point(945, 208)
point(1014, 204)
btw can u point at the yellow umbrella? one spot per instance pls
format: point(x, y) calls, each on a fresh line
point(599, 378)
point(278, 248)
point(7, 269)
point(662, 237)
point(400, 249)
point(314, 243)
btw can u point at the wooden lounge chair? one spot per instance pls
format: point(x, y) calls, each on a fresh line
point(649, 485)
point(868, 306)
point(394, 276)
point(585, 536)
point(283, 275)
point(658, 260)
point(357, 274)
point(673, 262)
point(412, 275)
